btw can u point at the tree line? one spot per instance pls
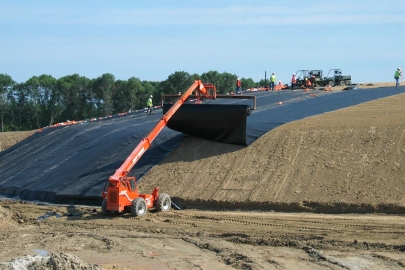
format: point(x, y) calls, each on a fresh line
point(44, 100)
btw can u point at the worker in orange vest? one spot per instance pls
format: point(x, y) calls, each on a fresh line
point(279, 86)
point(308, 83)
point(293, 81)
point(238, 86)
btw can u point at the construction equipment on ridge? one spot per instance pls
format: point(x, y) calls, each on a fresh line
point(121, 192)
point(333, 78)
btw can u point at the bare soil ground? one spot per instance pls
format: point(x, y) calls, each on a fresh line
point(325, 192)
point(8, 139)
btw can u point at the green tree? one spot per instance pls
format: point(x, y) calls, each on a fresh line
point(104, 88)
point(262, 83)
point(215, 78)
point(74, 91)
point(21, 108)
point(127, 94)
point(228, 82)
point(177, 82)
point(224, 82)
point(247, 83)
point(46, 98)
point(211, 77)
point(195, 77)
point(6, 83)
point(121, 96)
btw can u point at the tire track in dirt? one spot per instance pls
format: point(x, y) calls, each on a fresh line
point(238, 239)
point(290, 167)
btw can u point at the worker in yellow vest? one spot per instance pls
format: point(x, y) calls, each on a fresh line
point(272, 81)
point(149, 104)
point(398, 74)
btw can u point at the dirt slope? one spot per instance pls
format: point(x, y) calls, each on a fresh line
point(8, 139)
point(350, 160)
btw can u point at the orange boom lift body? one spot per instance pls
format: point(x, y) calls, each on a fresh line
point(122, 191)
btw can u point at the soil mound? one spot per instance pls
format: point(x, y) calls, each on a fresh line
point(5, 216)
point(349, 160)
point(54, 261)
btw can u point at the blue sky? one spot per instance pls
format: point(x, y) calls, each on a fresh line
point(151, 39)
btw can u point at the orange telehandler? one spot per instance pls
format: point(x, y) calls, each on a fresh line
point(122, 192)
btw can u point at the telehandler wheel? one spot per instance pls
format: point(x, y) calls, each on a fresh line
point(104, 210)
point(138, 207)
point(163, 202)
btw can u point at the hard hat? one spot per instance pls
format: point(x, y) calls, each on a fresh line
point(306, 79)
point(238, 79)
point(399, 68)
point(274, 73)
point(293, 74)
point(151, 96)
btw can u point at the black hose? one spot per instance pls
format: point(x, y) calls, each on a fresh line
point(175, 206)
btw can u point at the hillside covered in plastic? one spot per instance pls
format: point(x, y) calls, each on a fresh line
point(343, 158)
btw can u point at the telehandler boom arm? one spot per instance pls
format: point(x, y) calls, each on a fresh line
point(147, 141)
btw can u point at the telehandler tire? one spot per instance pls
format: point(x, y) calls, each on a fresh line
point(104, 210)
point(163, 202)
point(138, 207)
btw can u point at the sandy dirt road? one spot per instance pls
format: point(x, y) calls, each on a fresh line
point(191, 239)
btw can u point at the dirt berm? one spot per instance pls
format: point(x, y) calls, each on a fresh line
point(350, 160)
